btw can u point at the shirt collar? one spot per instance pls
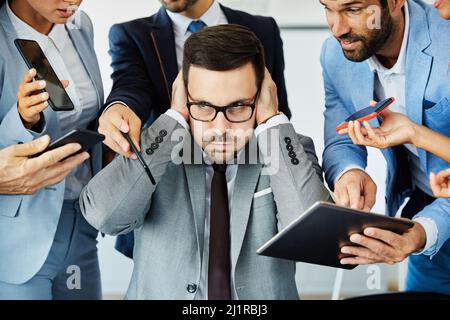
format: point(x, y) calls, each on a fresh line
point(181, 23)
point(400, 65)
point(58, 34)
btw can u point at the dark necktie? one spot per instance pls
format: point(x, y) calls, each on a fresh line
point(194, 26)
point(219, 239)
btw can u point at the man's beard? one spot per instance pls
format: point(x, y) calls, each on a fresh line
point(179, 6)
point(373, 42)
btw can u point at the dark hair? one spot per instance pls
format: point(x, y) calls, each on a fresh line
point(223, 48)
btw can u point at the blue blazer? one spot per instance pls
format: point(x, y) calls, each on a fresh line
point(28, 222)
point(145, 84)
point(349, 86)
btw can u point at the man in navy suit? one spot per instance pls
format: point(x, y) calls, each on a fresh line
point(146, 57)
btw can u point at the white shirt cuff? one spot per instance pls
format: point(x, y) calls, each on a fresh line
point(431, 232)
point(115, 102)
point(347, 169)
point(272, 122)
point(178, 117)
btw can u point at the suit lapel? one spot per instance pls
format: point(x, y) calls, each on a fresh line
point(232, 16)
point(164, 46)
point(244, 189)
point(418, 67)
point(89, 61)
point(196, 176)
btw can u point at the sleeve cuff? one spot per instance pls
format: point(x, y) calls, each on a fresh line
point(272, 122)
point(116, 102)
point(347, 169)
point(431, 232)
point(178, 117)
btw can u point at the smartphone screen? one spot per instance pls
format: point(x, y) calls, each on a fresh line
point(35, 58)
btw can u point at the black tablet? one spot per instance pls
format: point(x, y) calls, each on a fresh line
point(318, 235)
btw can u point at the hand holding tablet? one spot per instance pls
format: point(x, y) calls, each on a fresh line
point(318, 235)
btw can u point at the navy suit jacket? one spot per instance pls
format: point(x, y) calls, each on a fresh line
point(145, 66)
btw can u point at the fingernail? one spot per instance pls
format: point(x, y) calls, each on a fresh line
point(355, 238)
point(133, 156)
point(124, 128)
point(77, 147)
point(31, 71)
point(41, 84)
point(45, 139)
point(369, 232)
point(45, 104)
point(45, 95)
point(343, 261)
point(345, 250)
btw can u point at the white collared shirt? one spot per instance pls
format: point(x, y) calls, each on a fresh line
point(212, 17)
point(67, 64)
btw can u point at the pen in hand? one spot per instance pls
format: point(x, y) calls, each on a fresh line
point(139, 157)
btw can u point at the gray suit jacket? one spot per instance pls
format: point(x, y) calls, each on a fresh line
point(169, 219)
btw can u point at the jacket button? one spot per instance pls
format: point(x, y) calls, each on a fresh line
point(287, 140)
point(292, 154)
point(158, 139)
point(163, 133)
point(154, 146)
point(289, 147)
point(149, 151)
point(295, 161)
point(191, 288)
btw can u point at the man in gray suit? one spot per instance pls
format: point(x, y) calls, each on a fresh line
point(219, 196)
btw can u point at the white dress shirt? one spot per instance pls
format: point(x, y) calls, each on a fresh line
point(230, 174)
point(212, 17)
point(67, 64)
point(391, 83)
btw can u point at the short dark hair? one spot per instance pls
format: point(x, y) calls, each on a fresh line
point(223, 48)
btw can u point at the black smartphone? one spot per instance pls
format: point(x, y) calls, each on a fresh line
point(86, 138)
point(35, 58)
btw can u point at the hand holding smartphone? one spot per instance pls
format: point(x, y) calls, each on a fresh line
point(85, 138)
point(34, 57)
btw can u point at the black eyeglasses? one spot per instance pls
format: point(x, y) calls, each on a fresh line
point(235, 113)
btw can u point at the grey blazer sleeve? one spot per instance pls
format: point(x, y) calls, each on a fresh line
point(118, 198)
point(294, 171)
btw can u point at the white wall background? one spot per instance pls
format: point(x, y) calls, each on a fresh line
point(306, 97)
